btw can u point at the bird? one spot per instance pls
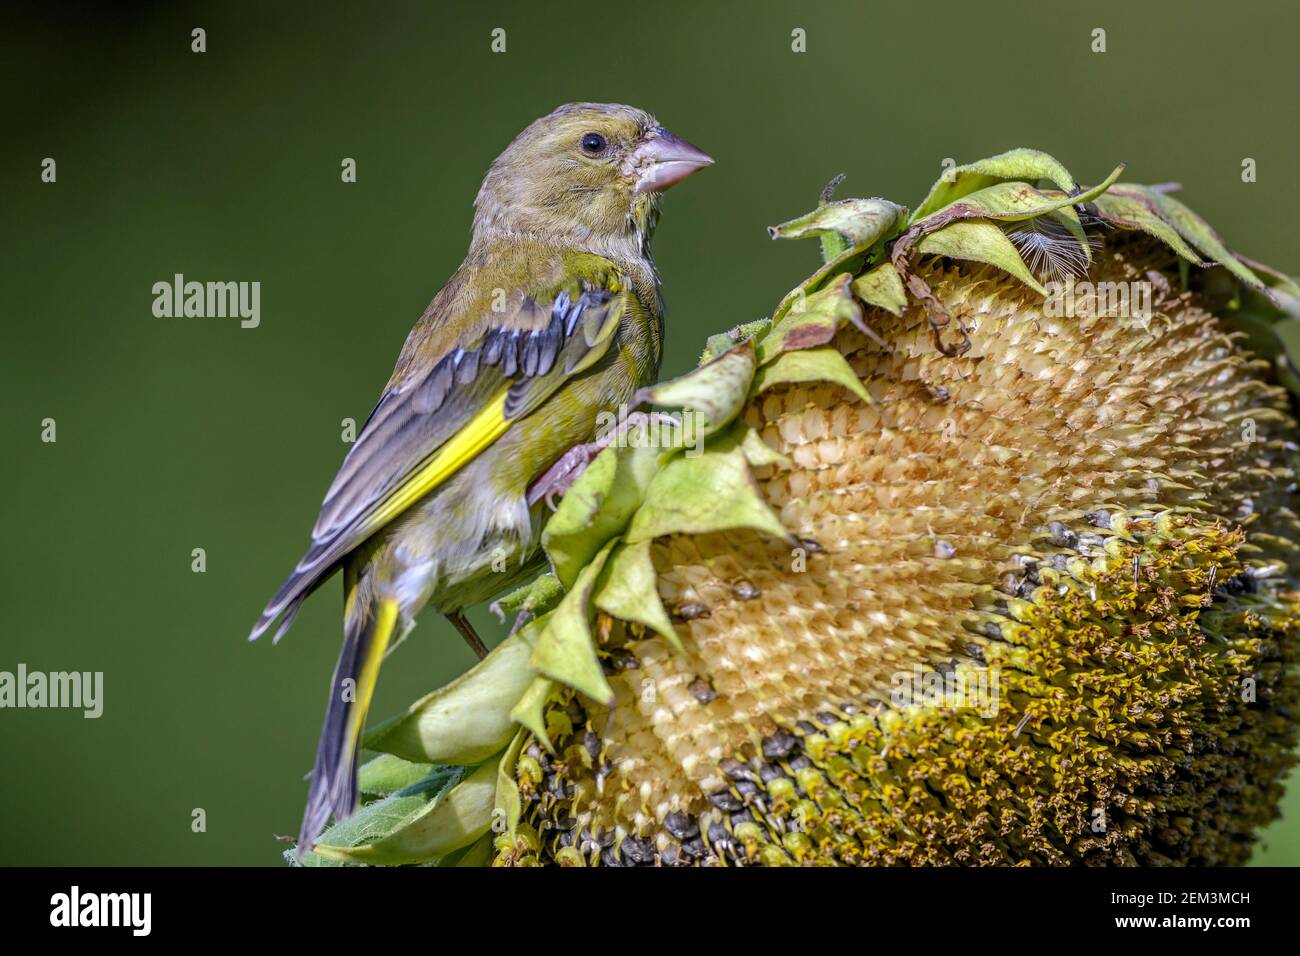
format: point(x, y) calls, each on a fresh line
point(554, 317)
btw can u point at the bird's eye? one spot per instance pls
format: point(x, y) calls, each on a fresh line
point(593, 144)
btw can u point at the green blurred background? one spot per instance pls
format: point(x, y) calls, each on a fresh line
point(175, 434)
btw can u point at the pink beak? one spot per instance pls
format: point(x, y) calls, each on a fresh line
point(663, 160)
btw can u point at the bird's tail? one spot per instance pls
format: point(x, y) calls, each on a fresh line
point(367, 632)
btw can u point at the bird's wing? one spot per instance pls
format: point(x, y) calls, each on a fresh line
point(452, 395)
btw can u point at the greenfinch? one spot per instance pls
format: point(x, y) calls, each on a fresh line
point(553, 318)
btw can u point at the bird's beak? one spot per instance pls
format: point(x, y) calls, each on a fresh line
point(663, 160)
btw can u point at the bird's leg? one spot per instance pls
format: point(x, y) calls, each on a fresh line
point(467, 631)
point(557, 479)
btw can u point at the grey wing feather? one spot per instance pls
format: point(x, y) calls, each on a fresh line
point(403, 430)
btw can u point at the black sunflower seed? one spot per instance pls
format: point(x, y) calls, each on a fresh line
point(636, 850)
point(681, 826)
point(702, 690)
point(779, 745)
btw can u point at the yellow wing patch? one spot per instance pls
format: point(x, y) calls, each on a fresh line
point(459, 450)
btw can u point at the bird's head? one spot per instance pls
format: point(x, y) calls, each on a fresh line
point(588, 174)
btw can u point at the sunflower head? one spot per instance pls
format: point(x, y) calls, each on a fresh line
point(982, 550)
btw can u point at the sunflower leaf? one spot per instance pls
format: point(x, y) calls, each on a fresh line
point(812, 323)
point(1133, 207)
point(566, 649)
point(811, 365)
point(978, 241)
point(508, 805)
point(1023, 165)
point(466, 721)
point(1199, 233)
point(530, 711)
point(628, 591)
point(455, 818)
point(882, 287)
point(598, 506)
point(714, 392)
point(387, 774)
point(860, 222)
point(377, 819)
point(696, 495)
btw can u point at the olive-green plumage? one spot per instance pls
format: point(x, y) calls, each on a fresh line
point(553, 318)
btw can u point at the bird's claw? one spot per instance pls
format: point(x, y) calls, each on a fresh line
point(559, 478)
